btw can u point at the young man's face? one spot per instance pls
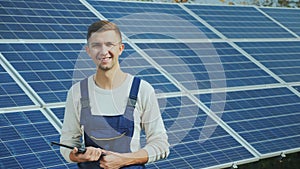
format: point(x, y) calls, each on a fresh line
point(105, 48)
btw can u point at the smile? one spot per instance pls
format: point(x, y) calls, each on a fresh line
point(105, 59)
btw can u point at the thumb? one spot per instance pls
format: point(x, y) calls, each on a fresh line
point(105, 152)
point(75, 150)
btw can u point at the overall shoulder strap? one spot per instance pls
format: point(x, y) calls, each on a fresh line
point(84, 100)
point(134, 91)
point(84, 93)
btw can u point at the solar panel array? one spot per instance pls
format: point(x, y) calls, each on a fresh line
point(227, 77)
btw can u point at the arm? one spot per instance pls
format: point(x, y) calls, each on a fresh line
point(71, 131)
point(157, 145)
point(118, 160)
point(91, 154)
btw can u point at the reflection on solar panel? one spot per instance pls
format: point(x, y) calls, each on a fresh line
point(227, 94)
point(240, 22)
point(210, 65)
point(289, 18)
point(49, 68)
point(193, 144)
point(282, 58)
point(132, 62)
point(269, 119)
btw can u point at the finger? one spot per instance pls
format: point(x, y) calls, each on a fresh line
point(75, 150)
point(99, 153)
point(95, 155)
point(105, 152)
point(103, 165)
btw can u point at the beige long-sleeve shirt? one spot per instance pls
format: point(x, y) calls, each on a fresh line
point(147, 116)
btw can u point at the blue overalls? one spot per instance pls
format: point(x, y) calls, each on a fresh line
point(111, 133)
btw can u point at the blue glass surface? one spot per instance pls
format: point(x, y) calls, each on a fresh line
point(268, 119)
point(25, 141)
point(263, 116)
point(59, 112)
point(282, 58)
point(239, 21)
point(32, 19)
point(11, 95)
point(297, 88)
point(287, 17)
point(152, 20)
point(196, 140)
point(47, 68)
point(50, 69)
point(206, 65)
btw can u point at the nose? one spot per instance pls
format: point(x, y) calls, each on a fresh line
point(103, 51)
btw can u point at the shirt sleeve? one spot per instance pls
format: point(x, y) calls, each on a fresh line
point(157, 144)
point(70, 132)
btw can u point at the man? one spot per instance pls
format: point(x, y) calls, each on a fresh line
point(99, 108)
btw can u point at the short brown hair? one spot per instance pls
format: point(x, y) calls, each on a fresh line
point(101, 26)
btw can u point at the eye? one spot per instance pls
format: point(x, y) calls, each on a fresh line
point(96, 45)
point(109, 44)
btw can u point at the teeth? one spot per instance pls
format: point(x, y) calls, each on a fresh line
point(105, 59)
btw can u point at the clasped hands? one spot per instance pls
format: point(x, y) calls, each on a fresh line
point(108, 159)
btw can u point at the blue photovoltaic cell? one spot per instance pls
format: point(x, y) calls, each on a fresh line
point(239, 22)
point(47, 68)
point(11, 95)
point(290, 18)
point(196, 140)
point(152, 20)
point(206, 65)
point(268, 119)
point(51, 68)
point(282, 58)
point(133, 63)
point(297, 88)
point(25, 138)
point(59, 112)
point(32, 19)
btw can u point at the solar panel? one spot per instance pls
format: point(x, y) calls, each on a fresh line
point(25, 138)
point(282, 58)
point(32, 19)
point(59, 112)
point(51, 68)
point(132, 62)
point(239, 21)
point(196, 140)
point(152, 20)
point(268, 119)
point(287, 17)
point(297, 88)
point(47, 68)
point(11, 95)
point(189, 53)
point(206, 65)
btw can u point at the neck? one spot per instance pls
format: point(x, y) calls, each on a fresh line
point(109, 79)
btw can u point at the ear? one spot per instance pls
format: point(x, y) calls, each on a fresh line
point(87, 49)
point(121, 48)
